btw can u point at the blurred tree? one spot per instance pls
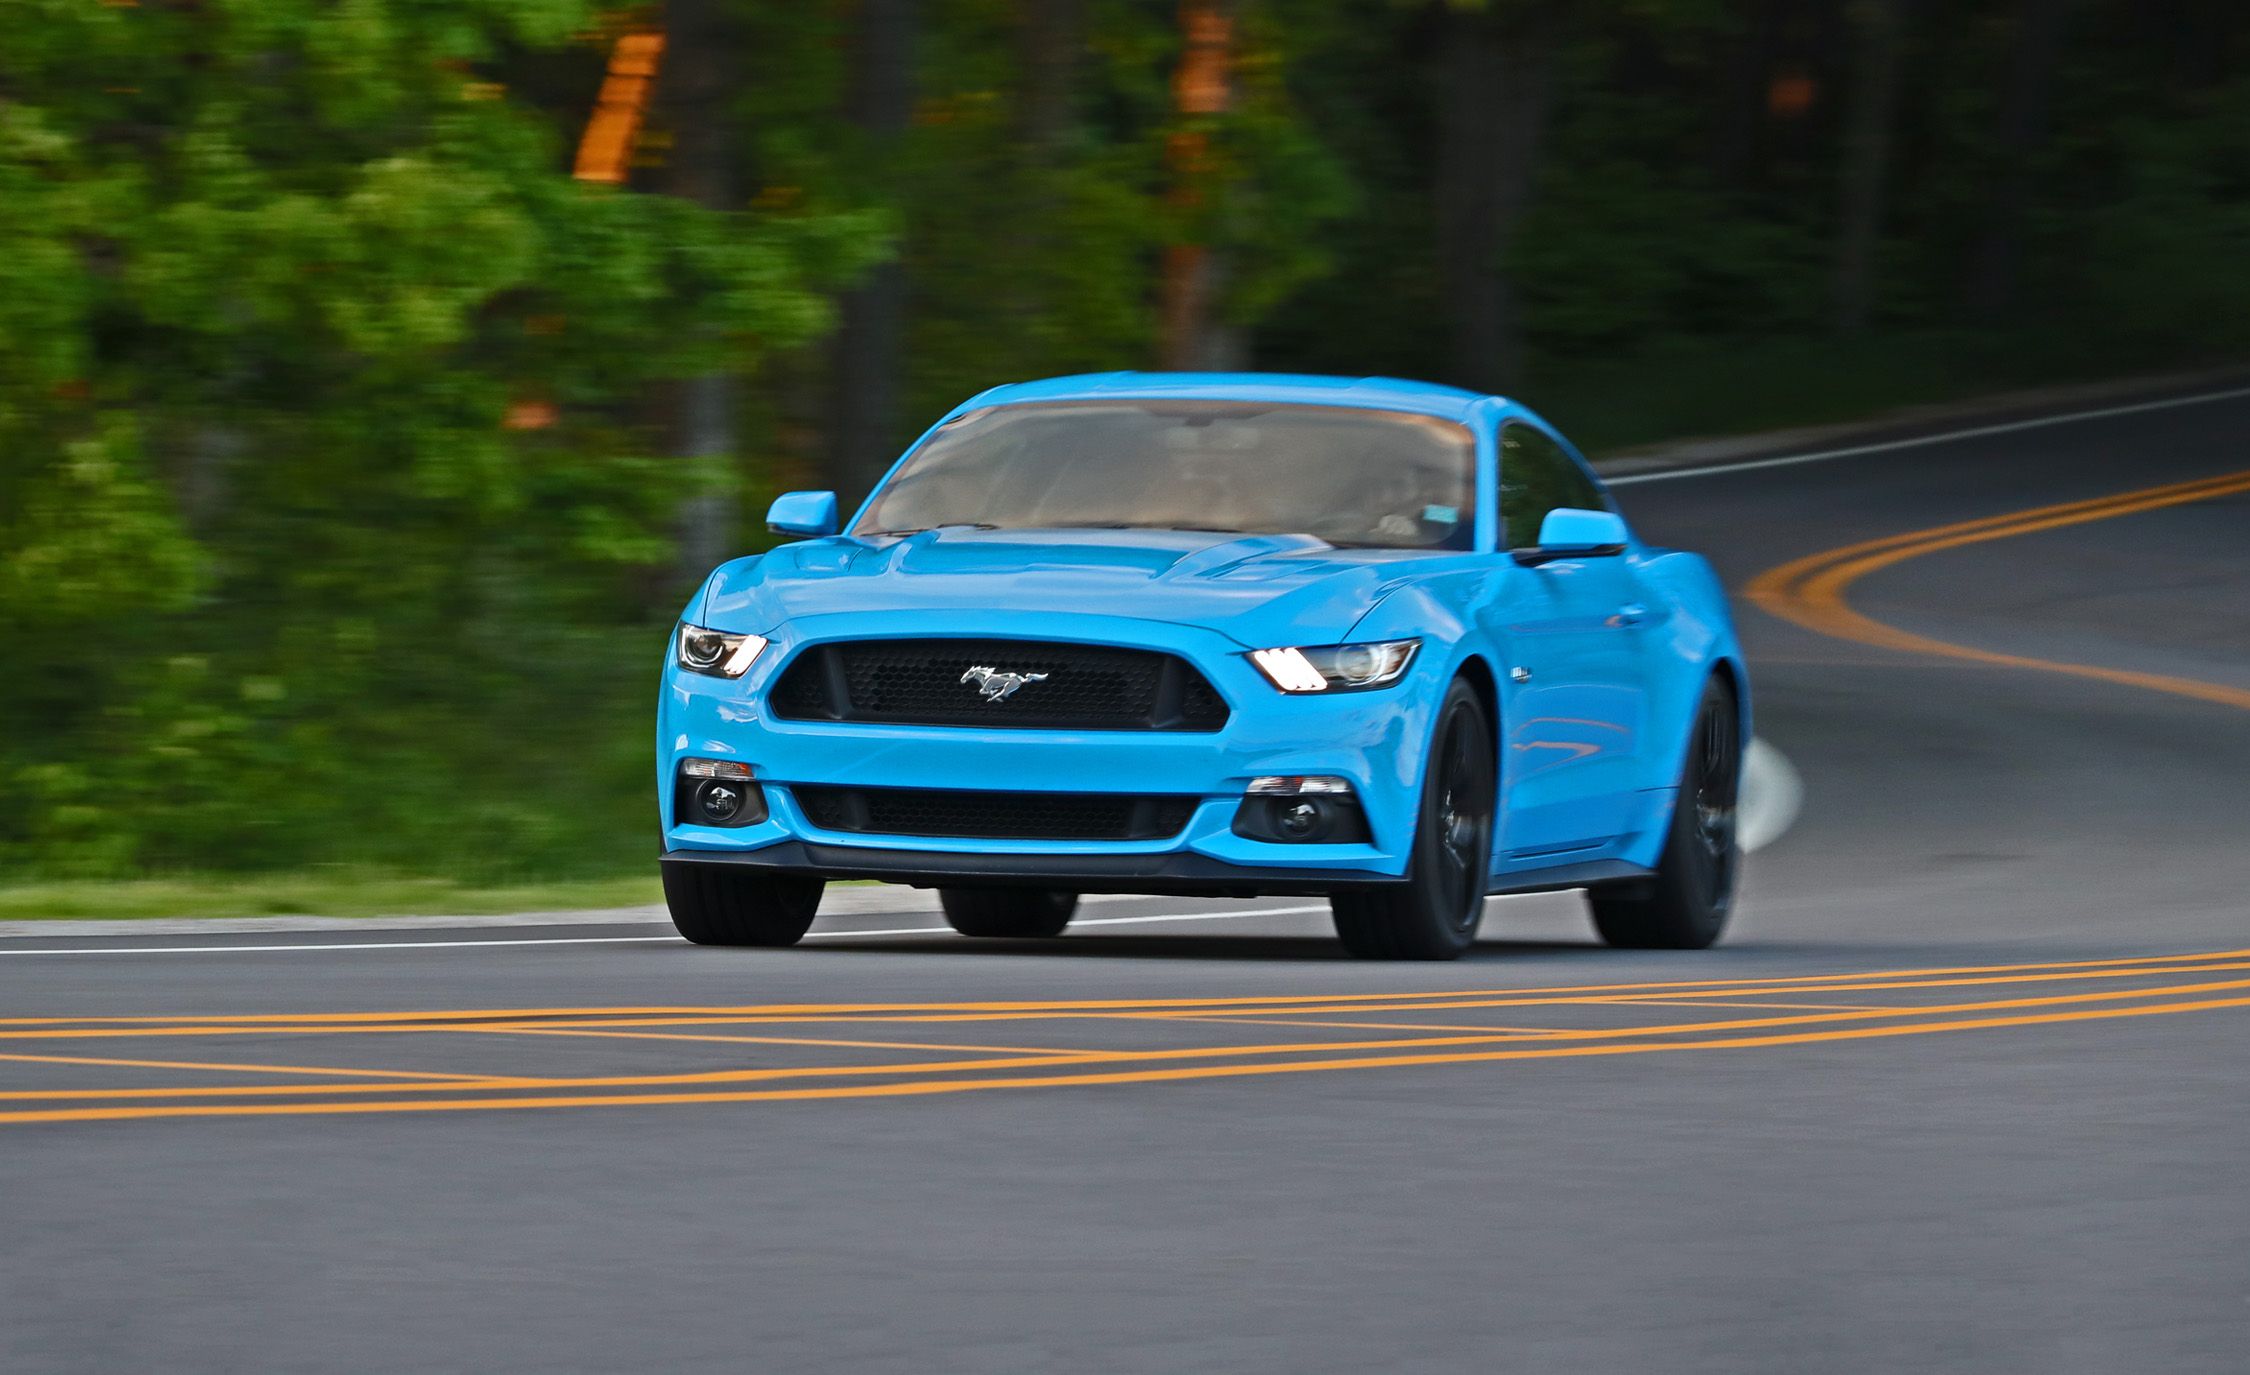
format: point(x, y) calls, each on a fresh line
point(704, 167)
point(1747, 91)
point(1878, 33)
point(1051, 33)
point(1193, 274)
point(869, 361)
point(1496, 82)
point(318, 477)
point(2022, 127)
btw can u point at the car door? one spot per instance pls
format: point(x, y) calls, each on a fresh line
point(1575, 696)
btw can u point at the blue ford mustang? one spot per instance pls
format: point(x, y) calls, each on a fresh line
point(1216, 634)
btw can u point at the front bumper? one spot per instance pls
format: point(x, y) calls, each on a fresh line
point(1373, 739)
point(1171, 872)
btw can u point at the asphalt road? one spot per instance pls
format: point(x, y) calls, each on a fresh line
point(1963, 1089)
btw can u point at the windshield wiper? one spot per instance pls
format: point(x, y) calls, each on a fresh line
point(1152, 525)
point(925, 529)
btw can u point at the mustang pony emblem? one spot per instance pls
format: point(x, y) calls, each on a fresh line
point(995, 686)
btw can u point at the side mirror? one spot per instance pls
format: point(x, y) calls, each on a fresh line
point(802, 513)
point(1573, 534)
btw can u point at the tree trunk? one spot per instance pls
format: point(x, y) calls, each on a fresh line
point(1050, 37)
point(2022, 129)
point(1192, 273)
point(1049, 34)
point(1746, 94)
point(1870, 125)
point(870, 337)
point(1495, 90)
point(699, 72)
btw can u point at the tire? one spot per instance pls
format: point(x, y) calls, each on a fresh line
point(1434, 915)
point(1686, 905)
point(1017, 912)
point(713, 904)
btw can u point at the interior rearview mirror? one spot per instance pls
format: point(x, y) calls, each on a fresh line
point(802, 513)
point(1568, 533)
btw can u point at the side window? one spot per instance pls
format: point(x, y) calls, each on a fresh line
point(1536, 477)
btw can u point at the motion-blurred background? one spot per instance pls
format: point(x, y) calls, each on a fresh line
point(378, 376)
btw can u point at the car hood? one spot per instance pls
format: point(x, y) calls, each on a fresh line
point(1257, 589)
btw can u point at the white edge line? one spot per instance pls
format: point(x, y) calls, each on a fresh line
point(621, 940)
point(1978, 432)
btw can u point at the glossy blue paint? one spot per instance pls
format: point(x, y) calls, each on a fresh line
point(1595, 661)
point(802, 513)
point(1577, 728)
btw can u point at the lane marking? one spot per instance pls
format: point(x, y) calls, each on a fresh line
point(1348, 1004)
point(1872, 979)
point(1948, 437)
point(1184, 916)
point(1810, 591)
point(1485, 1036)
point(493, 1083)
point(1353, 1026)
point(790, 1041)
point(1856, 1015)
point(245, 1069)
point(1701, 998)
point(1670, 1000)
point(930, 1087)
point(619, 940)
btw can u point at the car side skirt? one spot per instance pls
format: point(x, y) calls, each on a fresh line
point(1594, 873)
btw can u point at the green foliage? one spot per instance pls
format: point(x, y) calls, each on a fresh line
point(272, 275)
point(1029, 261)
point(2173, 235)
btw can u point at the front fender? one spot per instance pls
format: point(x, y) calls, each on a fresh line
point(1439, 611)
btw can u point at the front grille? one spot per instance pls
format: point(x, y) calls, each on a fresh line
point(931, 683)
point(994, 816)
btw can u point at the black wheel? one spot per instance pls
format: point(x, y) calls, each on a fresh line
point(1685, 906)
point(716, 905)
point(1434, 915)
point(1023, 912)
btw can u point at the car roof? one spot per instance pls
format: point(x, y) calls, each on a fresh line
point(1375, 393)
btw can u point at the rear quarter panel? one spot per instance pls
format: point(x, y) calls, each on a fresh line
point(1696, 637)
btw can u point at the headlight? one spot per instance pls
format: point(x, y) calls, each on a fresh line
point(1336, 668)
point(716, 653)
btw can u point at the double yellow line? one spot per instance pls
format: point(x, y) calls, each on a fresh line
point(2166, 985)
point(1810, 591)
point(1384, 1055)
point(1259, 1007)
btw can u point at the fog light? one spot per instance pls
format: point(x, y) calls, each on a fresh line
point(718, 802)
point(717, 792)
point(1302, 811)
point(1297, 819)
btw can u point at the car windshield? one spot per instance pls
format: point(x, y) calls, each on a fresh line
point(1386, 479)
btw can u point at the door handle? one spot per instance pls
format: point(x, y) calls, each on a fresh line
point(1632, 613)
